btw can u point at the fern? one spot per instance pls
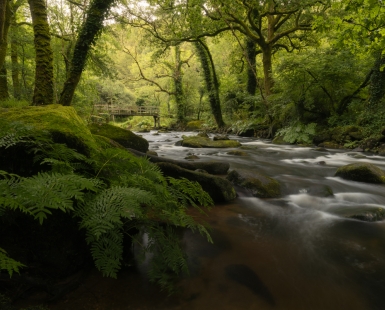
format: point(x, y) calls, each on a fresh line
point(9, 264)
point(135, 194)
point(39, 194)
point(107, 251)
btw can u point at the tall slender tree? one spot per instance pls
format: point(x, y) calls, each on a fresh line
point(43, 92)
point(5, 18)
point(211, 80)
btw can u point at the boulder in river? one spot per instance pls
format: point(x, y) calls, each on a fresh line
point(122, 136)
point(219, 189)
point(362, 172)
point(260, 185)
point(365, 213)
point(200, 142)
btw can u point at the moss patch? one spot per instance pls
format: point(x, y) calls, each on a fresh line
point(200, 142)
point(362, 172)
point(63, 123)
point(194, 125)
point(122, 136)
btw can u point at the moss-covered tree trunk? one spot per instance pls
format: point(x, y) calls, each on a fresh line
point(251, 52)
point(211, 81)
point(15, 70)
point(377, 82)
point(43, 92)
point(91, 27)
point(5, 16)
point(178, 85)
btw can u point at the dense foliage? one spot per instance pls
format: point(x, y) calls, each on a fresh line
point(111, 195)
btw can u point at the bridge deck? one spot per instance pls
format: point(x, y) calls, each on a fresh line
point(127, 110)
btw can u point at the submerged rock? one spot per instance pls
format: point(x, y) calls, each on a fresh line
point(365, 213)
point(202, 142)
point(362, 172)
point(370, 215)
point(192, 157)
point(260, 185)
point(220, 190)
point(122, 136)
point(237, 153)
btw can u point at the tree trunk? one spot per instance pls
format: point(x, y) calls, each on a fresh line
point(91, 27)
point(377, 82)
point(179, 94)
point(251, 68)
point(43, 92)
point(267, 69)
point(5, 18)
point(211, 81)
point(15, 70)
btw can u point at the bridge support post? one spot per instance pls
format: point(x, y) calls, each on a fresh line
point(156, 121)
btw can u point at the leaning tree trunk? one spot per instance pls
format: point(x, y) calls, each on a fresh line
point(5, 17)
point(251, 52)
point(211, 81)
point(91, 27)
point(43, 92)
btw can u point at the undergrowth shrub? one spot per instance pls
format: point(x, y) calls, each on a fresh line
point(298, 133)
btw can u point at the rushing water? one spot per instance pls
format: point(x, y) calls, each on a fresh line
point(296, 252)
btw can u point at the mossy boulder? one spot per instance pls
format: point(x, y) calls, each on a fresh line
point(122, 136)
point(364, 213)
point(202, 142)
point(62, 123)
point(194, 125)
point(258, 184)
point(219, 189)
point(362, 172)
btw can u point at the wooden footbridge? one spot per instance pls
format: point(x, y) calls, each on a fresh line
point(116, 110)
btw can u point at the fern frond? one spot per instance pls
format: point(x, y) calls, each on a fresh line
point(189, 192)
point(44, 191)
point(104, 212)
point(9, 264)
point(107, 251)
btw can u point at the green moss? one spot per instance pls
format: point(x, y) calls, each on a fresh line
point(63, 123)
point(122, 136)
point(200, 142)
point(362, 172)
point(194, 125)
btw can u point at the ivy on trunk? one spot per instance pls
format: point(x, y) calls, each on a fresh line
point(87, 38)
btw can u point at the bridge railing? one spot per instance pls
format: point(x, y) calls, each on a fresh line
point(127, 110)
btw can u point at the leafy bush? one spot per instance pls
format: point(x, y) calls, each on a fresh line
point(298, 133)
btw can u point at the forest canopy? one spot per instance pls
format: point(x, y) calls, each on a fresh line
point(275, 64)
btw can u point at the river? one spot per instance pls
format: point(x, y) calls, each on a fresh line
point(296, 252)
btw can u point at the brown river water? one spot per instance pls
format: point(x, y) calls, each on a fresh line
point(293, 253)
